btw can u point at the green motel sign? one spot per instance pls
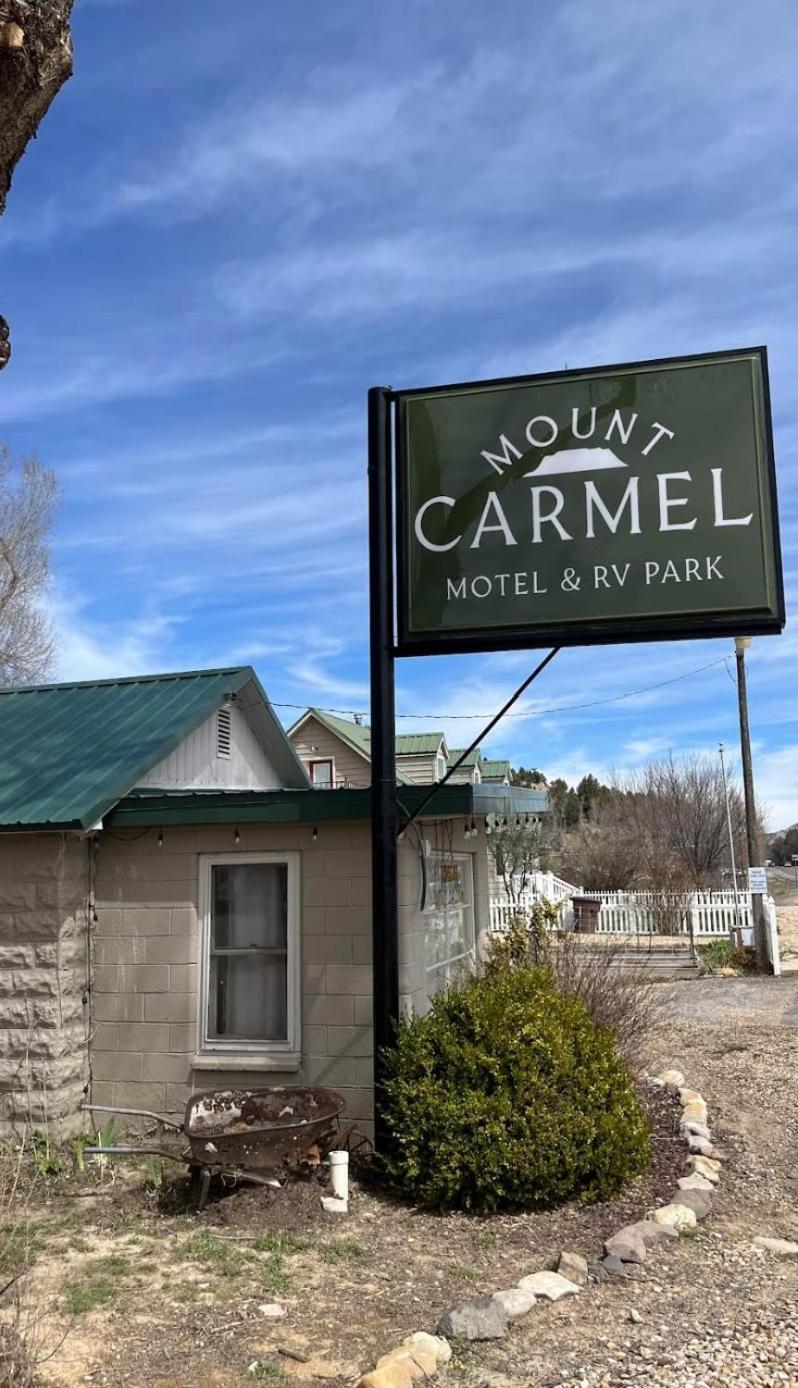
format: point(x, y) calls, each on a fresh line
point(626, 503)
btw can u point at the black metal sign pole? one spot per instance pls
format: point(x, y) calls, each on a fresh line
point(384, 912)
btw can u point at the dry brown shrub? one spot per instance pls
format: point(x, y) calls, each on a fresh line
point(614, 993)
point(16, 1368)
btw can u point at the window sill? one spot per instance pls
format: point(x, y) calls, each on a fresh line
point(251, 1062)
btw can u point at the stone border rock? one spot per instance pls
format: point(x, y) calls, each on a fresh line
point(489, 1317)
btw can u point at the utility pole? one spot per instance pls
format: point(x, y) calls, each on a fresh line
point(751, 832)
point(737, 913)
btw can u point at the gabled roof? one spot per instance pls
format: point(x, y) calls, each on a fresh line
point(418, 744)
point(356, 735)
point(473, 759)
point(69, 752)
point(494, 770)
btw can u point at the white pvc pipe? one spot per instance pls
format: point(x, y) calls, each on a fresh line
point(339, 1175)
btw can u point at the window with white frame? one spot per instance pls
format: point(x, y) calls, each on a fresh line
point(450, 946)
point(321, 773)
point(249, 986)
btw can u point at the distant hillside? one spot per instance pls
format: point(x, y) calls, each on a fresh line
point(783, 845)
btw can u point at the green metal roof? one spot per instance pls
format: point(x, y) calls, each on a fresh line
point(358, 737)
point(418, 744)
point(455, 753)
point(493, 770)
point(71, 751)
point(355, 734)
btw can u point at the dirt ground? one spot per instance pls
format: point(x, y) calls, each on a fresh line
point(149, 1295)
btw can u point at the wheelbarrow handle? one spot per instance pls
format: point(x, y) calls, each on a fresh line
point(131, 1152)
point(134, 1113)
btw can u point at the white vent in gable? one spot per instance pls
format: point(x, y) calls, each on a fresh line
point(223, 731)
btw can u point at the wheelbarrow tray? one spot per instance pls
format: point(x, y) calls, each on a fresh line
point(258, 1129)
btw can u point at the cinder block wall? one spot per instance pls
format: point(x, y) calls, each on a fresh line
point(43, 972)
point(147, 952)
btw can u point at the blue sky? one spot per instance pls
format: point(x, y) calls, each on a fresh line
point(237, 218)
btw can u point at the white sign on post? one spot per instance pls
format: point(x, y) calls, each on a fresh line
point(757, 881)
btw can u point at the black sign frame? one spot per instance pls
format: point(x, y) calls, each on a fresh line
point(585, 633)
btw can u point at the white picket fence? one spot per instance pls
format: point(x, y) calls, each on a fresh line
point(701, 914)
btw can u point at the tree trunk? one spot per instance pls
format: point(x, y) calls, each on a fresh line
point(35, 62)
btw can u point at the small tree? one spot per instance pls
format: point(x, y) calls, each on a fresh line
point(28, 496)
point(516, 849)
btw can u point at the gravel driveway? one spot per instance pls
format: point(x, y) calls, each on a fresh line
point(715, 1310)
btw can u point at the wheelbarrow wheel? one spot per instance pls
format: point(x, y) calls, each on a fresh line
point(200, 1184)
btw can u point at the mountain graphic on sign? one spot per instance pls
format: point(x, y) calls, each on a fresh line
point(575, 460)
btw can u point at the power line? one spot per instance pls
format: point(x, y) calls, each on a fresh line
point(534, 713)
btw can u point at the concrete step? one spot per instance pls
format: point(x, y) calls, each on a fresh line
point(658, 964)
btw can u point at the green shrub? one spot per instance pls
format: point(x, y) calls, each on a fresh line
point(507, 1095)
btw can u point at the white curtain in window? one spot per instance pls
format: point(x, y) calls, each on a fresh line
point(248, 992)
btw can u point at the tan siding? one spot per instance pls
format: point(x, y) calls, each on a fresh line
point(463, 777)
point(151, 1039)
point(348, 767)
point(419, 769)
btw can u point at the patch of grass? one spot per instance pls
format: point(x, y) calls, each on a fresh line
point(227, 1260)
point(98, 1285)
point(90, 1293)
point(461, 1356)
point(114, 1265)
point(464, 1274)
point(486, 1240)
point(217, 1255)
point(280, 1243)
point(20, 1245)
point(341, 1249)
point(77, 1244)
point(266, 1371)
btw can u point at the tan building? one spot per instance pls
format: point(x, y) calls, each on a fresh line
point(180, 910)
point(336, 753)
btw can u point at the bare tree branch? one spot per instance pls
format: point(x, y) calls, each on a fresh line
point(35, 62)
point(28, 496)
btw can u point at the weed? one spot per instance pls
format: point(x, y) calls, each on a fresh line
point(265, 1372)
point(89, 1294)
point(340, 1249)
point(98, 1286)
point(486, 1240)
point(155, 1174)
point(217, 1255)
point(464, 1274)
point(47, 1159)
point(185, 1294)
point(280, 1243)
point(77, 1244)
point(227, 1261)
point(716, 955)
point(20, 1244)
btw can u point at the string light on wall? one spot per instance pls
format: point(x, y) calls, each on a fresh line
point(160, 838)
point(315, 834)
point(236, 837)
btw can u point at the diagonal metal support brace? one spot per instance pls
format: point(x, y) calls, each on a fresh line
point(538, 670)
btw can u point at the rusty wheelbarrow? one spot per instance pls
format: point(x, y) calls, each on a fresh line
point(244, 1134)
